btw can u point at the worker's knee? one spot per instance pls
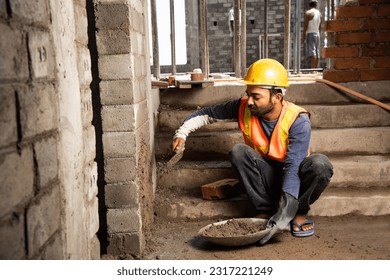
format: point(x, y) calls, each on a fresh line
point(238, 153)
point(319, 165)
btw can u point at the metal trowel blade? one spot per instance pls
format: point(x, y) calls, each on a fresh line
point(175, 158)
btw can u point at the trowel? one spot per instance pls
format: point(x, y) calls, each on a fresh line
point(178, 155)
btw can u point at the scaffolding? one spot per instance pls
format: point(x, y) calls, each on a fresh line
point(240, 35)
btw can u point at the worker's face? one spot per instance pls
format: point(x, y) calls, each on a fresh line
point(260, 100)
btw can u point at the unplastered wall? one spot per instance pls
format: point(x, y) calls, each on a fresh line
point(362, 39)
point(48, 203)
point(221, 43)
point(127, 124)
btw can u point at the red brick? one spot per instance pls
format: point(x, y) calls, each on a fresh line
point(382, 62)
point(354, 12)
point(221, 189)
point(382, 36)
point(384, 10)
point(341, 76)
point(375, 75)
point(342, 25)
point(340, 52)
point(352, 63)
point(353, 38)
point(378, 50)
point(378, 24)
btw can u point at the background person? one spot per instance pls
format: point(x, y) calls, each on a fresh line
point(311, 33)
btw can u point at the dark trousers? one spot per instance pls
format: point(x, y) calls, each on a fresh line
point(262, 178)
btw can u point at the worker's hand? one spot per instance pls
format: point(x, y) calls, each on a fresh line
point(288, 206)
point(178, 144)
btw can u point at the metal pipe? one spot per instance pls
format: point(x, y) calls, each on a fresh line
point(243, 37)
point(237, 38)
point(204, 51)
point(173, 44)
point(297, 40)
point(156, 57)
point(346, 90)
point(299, 20)
point(287, 37)
point(265, 28)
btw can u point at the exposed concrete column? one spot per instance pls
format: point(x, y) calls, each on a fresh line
point(204, 50)
point(78, 172)
point(156, 56)
point(173, 44)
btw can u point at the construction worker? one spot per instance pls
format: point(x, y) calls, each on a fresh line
point(274, 166)
point(311, 33)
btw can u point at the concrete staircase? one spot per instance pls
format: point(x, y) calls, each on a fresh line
point(354, 135)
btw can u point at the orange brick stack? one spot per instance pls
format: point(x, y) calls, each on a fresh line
point(362, 42)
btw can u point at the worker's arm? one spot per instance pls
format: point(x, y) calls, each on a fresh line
point(297, 151)
point(205, 116)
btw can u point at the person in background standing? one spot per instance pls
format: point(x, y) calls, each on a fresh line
point(231, 21)
point(311, 33)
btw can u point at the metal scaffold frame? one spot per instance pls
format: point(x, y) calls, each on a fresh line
point(291, 54)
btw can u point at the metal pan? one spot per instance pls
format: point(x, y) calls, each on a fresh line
point(237, 240)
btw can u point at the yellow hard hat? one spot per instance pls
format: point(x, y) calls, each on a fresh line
point(267, 72)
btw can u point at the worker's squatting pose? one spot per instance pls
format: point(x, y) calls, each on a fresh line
point(274, 165)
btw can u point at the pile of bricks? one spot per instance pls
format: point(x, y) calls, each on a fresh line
point(361, 50)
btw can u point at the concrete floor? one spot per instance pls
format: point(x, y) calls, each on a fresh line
point(350, 237)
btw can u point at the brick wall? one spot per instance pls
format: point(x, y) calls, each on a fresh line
point(123, 61)
point(361, 51)
point(48, 204)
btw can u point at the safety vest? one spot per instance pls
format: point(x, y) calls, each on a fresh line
point(254, 135)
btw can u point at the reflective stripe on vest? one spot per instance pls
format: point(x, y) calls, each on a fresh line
point(255, 136)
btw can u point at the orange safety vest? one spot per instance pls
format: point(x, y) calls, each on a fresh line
point(254, 135)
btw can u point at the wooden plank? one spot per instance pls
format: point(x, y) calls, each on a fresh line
point(159, 84)
point(191, 84)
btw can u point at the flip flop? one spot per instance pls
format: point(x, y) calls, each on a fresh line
point(300, 232)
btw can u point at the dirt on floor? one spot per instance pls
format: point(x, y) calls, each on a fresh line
point(351, 237)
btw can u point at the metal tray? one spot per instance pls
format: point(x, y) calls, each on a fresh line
point(238, 240)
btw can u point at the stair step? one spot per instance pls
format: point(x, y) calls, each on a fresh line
point(368, 202)
point(359, 171)
point(370, 140)
point(353, 133)
point(333, 202)
point(336, 116)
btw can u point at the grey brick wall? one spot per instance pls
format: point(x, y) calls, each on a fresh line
point(37, 218)
point(122, 45)
point(221, 44)
point(29, 212)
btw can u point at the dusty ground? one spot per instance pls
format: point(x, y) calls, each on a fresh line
point(349, 237)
